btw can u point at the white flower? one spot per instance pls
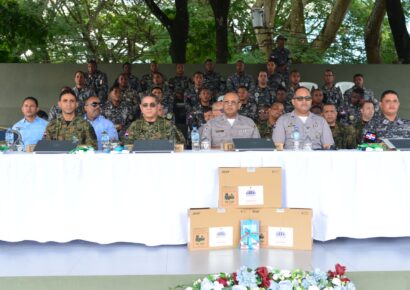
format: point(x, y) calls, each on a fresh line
point(313, 288)
point(189, 288)
point(275, 277)
point(218, 286)
point(336, 281)
point(206, 284)
point(285, 273)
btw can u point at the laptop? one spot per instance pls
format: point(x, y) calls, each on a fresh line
point(401, 144)
point(153, 146)
point(253, 144)
point(54, 146)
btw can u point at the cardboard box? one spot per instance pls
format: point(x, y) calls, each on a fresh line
point(215, 228)
point(250, 187)
point(284, 228)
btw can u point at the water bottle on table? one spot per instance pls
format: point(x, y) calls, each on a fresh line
point(195, 139)
point(105, 142)
point(296, 138)
point(9, 138)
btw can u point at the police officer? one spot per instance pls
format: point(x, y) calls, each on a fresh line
point(230, 125)
point(281, 56)
point(213, 80)
point(343, 135)
point(96, 80)
point(332, 93)
point(266, 127)
point(263, 94)
point(349, 114)
point(368, 95)
point(312, 128)
point(248, 106)
point(240, 78)
point(387, 123)
point(366, 114)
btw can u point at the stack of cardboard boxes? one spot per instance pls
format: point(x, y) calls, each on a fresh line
point(250, 194)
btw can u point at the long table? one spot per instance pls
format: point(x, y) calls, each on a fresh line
point(143, 198)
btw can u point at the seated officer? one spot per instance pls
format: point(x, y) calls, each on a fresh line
point(151, 126)
point(69, 126)
point(312, 128)
point(31, 127)
point(229, 125)
point(387, 123)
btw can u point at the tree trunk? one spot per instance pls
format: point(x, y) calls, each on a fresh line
point(264, 35)
point(372, 33)
point(398, 27)
point(332, 24)
point(177, 28)
point(220, 9)
point(297, 27)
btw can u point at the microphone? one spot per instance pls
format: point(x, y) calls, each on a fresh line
point(370, 137)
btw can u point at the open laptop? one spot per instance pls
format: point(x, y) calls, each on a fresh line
point(253, 144)
point(54, 146)
point(153, 146)
point(401, 144)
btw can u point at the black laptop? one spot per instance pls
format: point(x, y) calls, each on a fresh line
point(401, 144)
point(54, 146)
point(253, 144)
point(153, 146)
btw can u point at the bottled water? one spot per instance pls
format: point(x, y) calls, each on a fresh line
point(9, 138)
point(195, 139)
point(205, 143)
point(105, 142)
point(296, 138)
point(307, 145)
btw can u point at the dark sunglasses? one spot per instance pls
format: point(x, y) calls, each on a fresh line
point(301, 98)
point(152, 105)
point(95, 104)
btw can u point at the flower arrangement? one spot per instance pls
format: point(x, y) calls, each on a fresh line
point(267, 278)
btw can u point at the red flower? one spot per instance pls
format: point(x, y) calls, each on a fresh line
point(340, 270)
point(234, 278)
point(265, 282)
point(345, 280)
point(331, 274)
point(222, 281)
point(262, 272)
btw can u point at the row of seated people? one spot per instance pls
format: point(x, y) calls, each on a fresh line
point(86, 127)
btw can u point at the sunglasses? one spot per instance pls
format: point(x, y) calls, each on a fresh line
point(301, 98)
point(152, 105)
point(94, 104)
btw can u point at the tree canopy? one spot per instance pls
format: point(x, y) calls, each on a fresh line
point(115, 31)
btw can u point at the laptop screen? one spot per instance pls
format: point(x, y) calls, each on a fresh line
point(153, 146)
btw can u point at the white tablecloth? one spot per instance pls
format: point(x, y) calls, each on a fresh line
point(143, 198)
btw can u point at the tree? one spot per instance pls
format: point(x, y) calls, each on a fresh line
point(372, 35)
point(264, 34)
point(19, 32)
point(177, 26)
point(221, 11)
point(398, 27)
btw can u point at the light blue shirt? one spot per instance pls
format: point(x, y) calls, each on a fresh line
point(101, 124)
point(31, 132)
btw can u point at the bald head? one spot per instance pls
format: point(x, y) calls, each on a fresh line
point(231, 105)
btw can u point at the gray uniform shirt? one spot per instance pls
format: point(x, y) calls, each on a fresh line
point(315, 128)
point(219, 130)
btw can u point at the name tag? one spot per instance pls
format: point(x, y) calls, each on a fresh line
point(220, 131)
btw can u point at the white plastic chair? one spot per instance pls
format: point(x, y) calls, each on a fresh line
point(344, 86)
point(309, 85)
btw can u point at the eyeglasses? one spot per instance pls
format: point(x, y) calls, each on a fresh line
point(230, 103)
point(94, 104)
point(301, 98)
point(152, 105)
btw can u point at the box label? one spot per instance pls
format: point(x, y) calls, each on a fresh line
point(229, 196)
point(250, 195)
point(200, 238)
point(221, 237)
point(280, 237)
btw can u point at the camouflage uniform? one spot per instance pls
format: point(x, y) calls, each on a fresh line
point(333, 95)
point(83, 94)
point(236, 80)
point(160, 129)
point(275, 80)
point(55, 111)
point(368, 96)
point(265, 129)
point(78, 130)
point(121, 115)
point(146, 81)
point(359, 126)
point(132, 98)
point(291, 91)
point(250, 110)
point(287, 107)
point(134, 82)
point(344, 136)
point(263, 96)
point(349, 114)
point(281, 56)
point(384, 128)
point(191, 97)
point(195, 117)
point(98, 83)
point(215, 82)
point(178, 84)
